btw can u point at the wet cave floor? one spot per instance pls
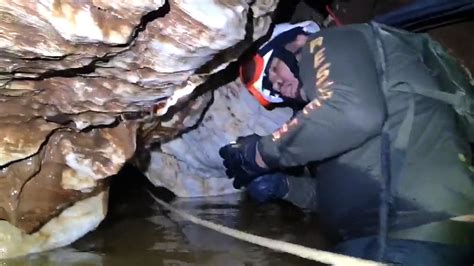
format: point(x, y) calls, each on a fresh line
point(137, 231)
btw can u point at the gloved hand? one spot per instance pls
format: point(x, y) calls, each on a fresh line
point(239, 159)
point(268, 187)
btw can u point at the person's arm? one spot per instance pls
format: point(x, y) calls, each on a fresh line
point(348, 108)
point(342, 123)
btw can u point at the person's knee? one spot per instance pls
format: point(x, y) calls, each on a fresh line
point(268, 187)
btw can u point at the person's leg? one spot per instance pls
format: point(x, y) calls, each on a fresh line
point(301, 191)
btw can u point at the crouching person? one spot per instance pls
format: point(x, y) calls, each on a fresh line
point(386, 125)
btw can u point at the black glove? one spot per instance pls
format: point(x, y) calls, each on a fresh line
point(239, 159)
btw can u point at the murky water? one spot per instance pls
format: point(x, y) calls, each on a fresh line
point(138, 232)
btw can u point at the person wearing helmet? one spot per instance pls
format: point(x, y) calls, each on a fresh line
point(378, 112)
point(272, 76)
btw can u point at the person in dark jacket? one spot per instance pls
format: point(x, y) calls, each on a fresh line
point(382, 119)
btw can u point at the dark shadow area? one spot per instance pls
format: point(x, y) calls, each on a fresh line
point(423, 15)
point(286, 9)
point(131, 185)
point(454, 28)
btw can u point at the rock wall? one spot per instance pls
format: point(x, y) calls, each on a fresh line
point(190, 165)
point(78, 80)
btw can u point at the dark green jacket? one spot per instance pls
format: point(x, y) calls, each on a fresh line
point(388, 119)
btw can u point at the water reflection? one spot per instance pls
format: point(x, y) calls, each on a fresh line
point(137, 232)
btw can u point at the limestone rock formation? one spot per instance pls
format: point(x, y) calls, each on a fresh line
point(189, 165)
point(78, 80)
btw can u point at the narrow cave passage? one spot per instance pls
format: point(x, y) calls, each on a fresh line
point(137, 231)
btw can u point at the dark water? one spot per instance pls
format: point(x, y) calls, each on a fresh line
point(137, 232)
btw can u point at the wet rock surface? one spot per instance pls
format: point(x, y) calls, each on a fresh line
point(189, 165)
point(80, 81)
point(137, 231)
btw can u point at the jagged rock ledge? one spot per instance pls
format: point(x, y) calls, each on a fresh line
point(70, 71)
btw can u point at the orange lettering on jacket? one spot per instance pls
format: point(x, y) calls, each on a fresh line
point(319, 57)
point(315, 43)
point(323, 71)
point(285, 128)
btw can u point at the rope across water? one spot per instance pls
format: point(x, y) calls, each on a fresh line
point(297, 250)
